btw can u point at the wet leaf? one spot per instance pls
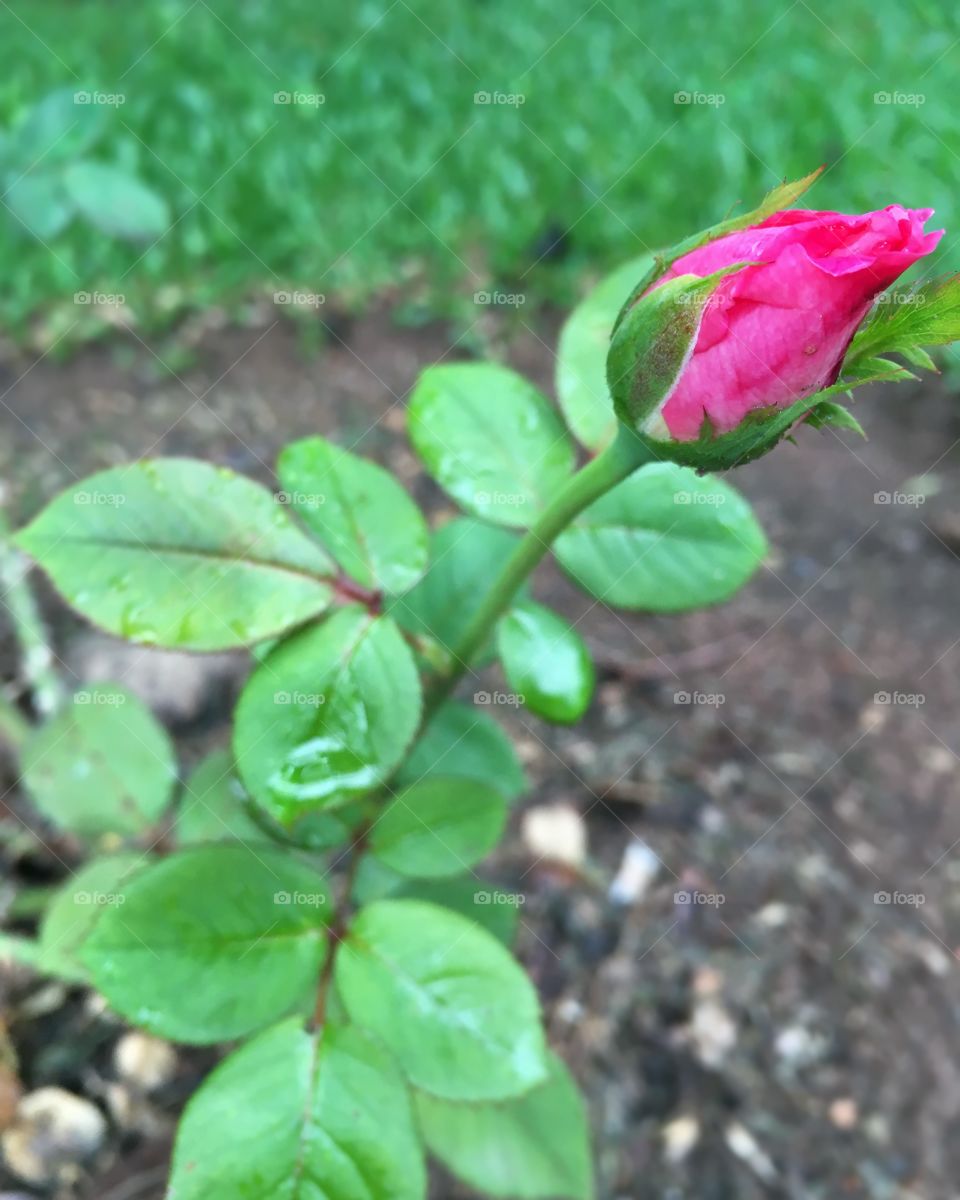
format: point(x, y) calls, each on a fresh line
point(178, 553)
point(328, 715)
point(463, 740)
point(74, 910)
point(469, 895)
point(665, 540)
point(358, 511)
point(440, 826)
point(212, 943)
point(582, 356)
point(294, 1114)
point(536, 1147)
point(490, 439)
point(546, 662)
point(213, 805)
point(456, 1010)
point(103, 765)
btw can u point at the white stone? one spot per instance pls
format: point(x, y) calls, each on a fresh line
point(555, 832)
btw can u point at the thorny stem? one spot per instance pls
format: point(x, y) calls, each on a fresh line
point(620, 459)
point(338, 925)
point(15, 594)
point(348, 591)
point(625, 455)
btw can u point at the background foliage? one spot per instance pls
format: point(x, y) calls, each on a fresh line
point(598, 155)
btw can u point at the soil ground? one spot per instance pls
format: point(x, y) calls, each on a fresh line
point(794, 1039)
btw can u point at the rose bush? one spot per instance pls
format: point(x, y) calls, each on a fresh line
point(385, 1015)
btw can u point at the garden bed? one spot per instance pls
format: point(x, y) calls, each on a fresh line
point(796, 1038)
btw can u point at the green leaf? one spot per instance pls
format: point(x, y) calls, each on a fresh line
point(116, 202)
point(40, 203)
point(906, 319)
point(57, 129)
point(328, 715)
point(100, 766)
point(358, 511)
point(74, 910)
point(582, 356)
point(534, 1148)
point(477, 899)
point(463, 741)
point(664, 540)
point(300, 1116)
point(496, 910)
point(465, 556)
point(490, 439)
point(212, 942)
point(440, 826)
point(546, 662)
point(213, 806)
point(179, 553)
point(446, 998)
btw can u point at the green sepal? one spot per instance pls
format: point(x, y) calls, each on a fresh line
point(775, 201)
point(918, 357)
point(829, 413)
point(650, 348)
point(762, 429)
point(869, 369)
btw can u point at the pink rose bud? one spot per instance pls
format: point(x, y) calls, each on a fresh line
point(772, 332)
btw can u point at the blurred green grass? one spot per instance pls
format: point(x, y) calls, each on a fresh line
point(399, 175)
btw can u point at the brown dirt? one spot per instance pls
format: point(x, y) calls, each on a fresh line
point(805, 1032)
